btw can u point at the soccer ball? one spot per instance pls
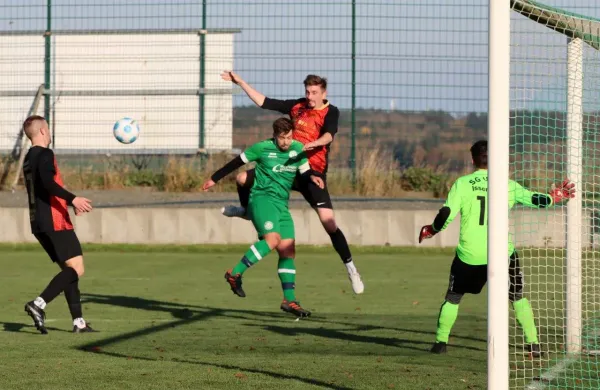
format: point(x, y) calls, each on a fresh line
point(126, 130)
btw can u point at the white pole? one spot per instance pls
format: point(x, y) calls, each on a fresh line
point(574, 214)
point(498, 150)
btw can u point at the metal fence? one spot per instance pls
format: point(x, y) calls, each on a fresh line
point(410, 77)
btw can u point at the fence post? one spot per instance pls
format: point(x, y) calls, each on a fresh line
point(353, 109)
point(47, 61)
point(201, 107)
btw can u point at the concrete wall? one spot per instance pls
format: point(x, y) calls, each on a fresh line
point(208, 226)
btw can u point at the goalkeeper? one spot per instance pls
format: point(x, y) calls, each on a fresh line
point(468, 273)
point(277, 161)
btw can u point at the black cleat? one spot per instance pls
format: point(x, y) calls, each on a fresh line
point(294, 308)
point(235, 282)
point(87, 329)
point(535, 351)
point(438, 348)
point(37, 315)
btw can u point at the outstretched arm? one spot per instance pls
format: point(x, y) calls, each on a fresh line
point(282, 106)
point(250, 154)
point(257, 97)
point(556, 195)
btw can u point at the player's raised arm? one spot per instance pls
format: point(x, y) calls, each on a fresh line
point(250, 154)
point(445, 215)
point(556, 195)
point(257, 97)
point(282, 106)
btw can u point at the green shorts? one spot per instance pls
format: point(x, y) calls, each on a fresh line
point(270, 216)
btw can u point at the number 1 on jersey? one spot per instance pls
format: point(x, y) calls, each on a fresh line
point(481, 200)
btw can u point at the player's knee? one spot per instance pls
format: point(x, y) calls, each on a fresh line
point(287, 249)
point(327, 219)
point(273, 240)
point(77, 264)
point(241, 178)
point(453, 297)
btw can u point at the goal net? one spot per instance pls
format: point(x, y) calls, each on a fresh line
point(555, 134)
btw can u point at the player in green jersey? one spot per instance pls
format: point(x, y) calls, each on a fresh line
point(468, 273)
point(277, 161)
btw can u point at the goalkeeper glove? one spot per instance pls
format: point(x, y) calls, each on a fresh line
point(426, 232)
point(564, 191)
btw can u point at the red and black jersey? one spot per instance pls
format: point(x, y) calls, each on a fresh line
point(309, 125)
point(48, 200)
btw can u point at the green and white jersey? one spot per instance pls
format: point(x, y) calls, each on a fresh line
point(275, 169)
point(469, 196)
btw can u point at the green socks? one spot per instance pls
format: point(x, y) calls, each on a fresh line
point(251, 257)
point(523, 312)
point(287, 274)
point(524, 316)
point(446, 319)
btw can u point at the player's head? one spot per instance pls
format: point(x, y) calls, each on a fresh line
point(282, 133)
point(479, 153)
point(315, 90)
point(36, 129)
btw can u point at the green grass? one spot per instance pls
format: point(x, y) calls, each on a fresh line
point(167, 320)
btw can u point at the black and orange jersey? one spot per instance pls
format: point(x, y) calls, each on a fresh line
point(48, 200)
point(309, 125)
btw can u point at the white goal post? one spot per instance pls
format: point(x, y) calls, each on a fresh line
point(580, 33)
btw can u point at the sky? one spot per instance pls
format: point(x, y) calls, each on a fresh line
point(410, 55)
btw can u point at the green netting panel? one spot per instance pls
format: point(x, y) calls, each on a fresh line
point(550, 141)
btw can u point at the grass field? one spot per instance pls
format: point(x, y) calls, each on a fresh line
point(167, 320)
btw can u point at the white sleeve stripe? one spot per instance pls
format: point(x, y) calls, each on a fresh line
point(244, 158)
point(304, 167)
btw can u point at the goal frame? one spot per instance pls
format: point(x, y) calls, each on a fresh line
point(578, 30)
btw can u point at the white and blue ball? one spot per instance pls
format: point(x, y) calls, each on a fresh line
point(126, 130)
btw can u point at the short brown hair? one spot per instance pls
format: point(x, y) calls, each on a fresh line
point(282, 126)
point(313, 79)
point(30, 120)
point(29, 132)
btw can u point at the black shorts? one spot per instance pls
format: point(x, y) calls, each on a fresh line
point(470, 279)
point(315, 196)
point(60, 246)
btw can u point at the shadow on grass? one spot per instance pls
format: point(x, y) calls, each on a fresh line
point(188, 314)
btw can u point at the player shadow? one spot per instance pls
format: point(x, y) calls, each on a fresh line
point(184, 315)
point(189, 312)
point(177, 310)
point(27, 328)
point(357, 338)
point(272, 374)
point(368, 327)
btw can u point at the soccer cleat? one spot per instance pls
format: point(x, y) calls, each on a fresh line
point(357, 284)
point(535, 351)
point(86, 329)
point(438, 348)
point(235, 282)
point(234, 211)
point(294, 308)
point(37, 315)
